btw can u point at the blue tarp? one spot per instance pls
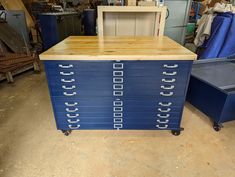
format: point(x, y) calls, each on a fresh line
point(222, 40)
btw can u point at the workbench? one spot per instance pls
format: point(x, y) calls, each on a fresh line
point(118, 83)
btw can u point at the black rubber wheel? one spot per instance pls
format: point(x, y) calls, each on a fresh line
point(217, 128)
point(175, 132)
point(66, 132)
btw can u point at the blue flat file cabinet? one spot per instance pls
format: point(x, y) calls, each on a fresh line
point(116, 93)
point(212, 89)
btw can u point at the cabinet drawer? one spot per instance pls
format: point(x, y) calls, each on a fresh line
point(111, 101)
point(110, 126)
point(149, 121)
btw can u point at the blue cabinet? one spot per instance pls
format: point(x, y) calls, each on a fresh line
point(212, 89)
point(57, 26)
point(145, 95)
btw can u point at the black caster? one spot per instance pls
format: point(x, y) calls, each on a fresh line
point(66, 132)
point(217, 127)
point(175, 132)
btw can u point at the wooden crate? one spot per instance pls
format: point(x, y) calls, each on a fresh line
point(131, 20)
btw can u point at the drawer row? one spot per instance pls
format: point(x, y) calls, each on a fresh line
point(115, 65)
point(151, 101)
point(111, 126)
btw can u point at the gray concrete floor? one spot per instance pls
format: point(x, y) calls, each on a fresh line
point(30, 145)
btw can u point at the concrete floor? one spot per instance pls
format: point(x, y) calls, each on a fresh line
point(30, 145)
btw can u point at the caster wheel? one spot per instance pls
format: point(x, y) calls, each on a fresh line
point(175, 132)
point(217, 128)
point(66, 132)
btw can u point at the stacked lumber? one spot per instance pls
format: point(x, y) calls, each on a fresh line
point(10, 62)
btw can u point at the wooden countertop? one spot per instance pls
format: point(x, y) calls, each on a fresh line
point(117, 48)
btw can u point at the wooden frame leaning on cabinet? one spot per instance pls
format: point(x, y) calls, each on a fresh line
point(131, 20)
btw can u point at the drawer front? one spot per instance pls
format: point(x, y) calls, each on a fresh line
point(138, 103)
point(110, 126)
point(117, 94)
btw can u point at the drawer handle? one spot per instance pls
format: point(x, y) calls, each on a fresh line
point(66, 74)
point(165, 104)
point(67, 81)
point(74, 116)
point(71, 110)
point(69, 94)
point(117, 93)
point(117, 80)
point(117, 126)
point(163, 117)
point(68, 88)
point(168, 80)
point(117, 65)
point(162, 127)
point(166, 94)
point(169, 74)
point(163, 122)
point(117, 73)
point(74, 127)
point(170, 66)
point(71, 104)
point(73, 121)
point(164, 110)
point(117, 86)
point(170, 87)
point(117, 103)
point(66, 66)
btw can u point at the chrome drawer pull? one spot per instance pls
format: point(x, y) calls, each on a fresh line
point(74, 116)
point(71, 110)
point(117, 73)
point(164, 110)
point(117, 86)
point(163, 117)
point(117, 93)
point(73, 121)
point(162, 127)
point(71, 104)
point(117, 65)
point(117, 103)
point(170, 66)
point(117, 120)
point(68, 88)
point(165, 104)
point(168, 80)
point(166, 94)
point(67, 81)
point(168, 87)
point(163, 122)
point(66, 66)
point(66, 74)
point(72, 127)
point(117, 126)
point(169, 74)
point(117, 80)
point(69, 94)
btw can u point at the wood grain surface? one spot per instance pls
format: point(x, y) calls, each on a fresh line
point(117, 48)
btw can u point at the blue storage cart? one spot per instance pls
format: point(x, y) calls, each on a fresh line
point(118, 83)
point(212, 89)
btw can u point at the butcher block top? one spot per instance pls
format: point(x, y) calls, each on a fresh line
point(117, 48)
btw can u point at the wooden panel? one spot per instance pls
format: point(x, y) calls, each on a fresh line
point(132, 17)
point(118, 48)
point(110, 24)
point(125, 24)
point(144, 24)
point(18, 5)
